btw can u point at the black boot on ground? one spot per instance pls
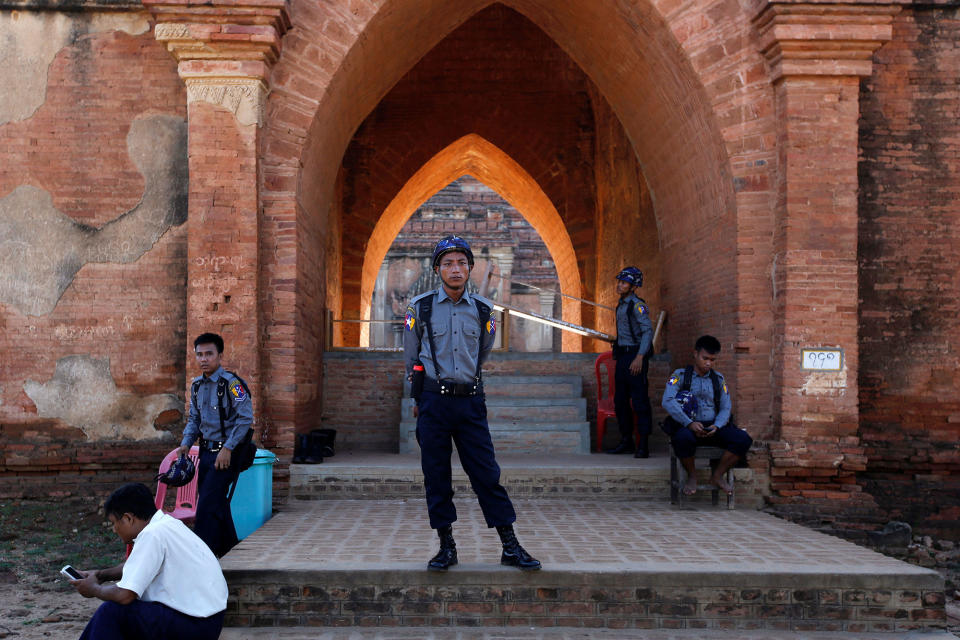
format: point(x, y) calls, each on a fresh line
point(447, 556)
point(303, 452)
point(625, 446)
point(513, 554)
point(643, 448)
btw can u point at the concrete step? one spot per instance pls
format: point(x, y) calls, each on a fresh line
point(379, 476)
point(556, 633)
point(613, 565)
point(529, 410)
point(521, 436)
point(533, 386)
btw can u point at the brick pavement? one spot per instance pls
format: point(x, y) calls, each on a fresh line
point(607, 564)
point(579, 534)
point(555, 634)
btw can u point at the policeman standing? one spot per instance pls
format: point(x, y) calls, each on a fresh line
point(447, 337)
point(632, 351)
point(221, 414)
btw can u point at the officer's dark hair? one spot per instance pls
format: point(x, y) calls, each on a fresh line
point(709, 344)
point(132, 498)
point(209, 338)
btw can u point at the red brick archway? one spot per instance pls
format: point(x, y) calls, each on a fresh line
point(479, 158)
point(675, 77)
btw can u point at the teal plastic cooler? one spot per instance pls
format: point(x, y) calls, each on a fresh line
point(252, 503)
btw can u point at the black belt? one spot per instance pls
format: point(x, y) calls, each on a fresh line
point(212, 445)
point(451, 388)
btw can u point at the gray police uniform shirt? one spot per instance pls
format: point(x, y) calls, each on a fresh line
point(640, 330)
point(238, 411)
point(457, 334)
point(702, 388)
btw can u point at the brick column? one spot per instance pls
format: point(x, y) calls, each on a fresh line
point(224, 52)
point(817, 54)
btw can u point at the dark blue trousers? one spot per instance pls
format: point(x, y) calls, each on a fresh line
point(729, 437)
point(214, 523)
point(629, 388)
point(442, 422)
point(149, 621)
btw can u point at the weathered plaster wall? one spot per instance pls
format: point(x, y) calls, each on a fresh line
point(93, 190)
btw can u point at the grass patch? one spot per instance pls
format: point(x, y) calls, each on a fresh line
point(38, 537)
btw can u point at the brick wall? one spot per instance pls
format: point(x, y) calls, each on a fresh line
point(362, 391)
point(119, 305)
point(909, 251)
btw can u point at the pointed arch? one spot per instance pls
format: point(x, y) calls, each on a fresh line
point(483, 160)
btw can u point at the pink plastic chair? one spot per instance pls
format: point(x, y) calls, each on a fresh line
point(185, 507)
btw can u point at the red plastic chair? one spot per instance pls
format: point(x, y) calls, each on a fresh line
point(605, 408)
point(185, 507)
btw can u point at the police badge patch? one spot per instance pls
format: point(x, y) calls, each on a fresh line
point(673, 380)
point(491, 325)
point(641, 309)
point(410, 319)
point(237, 391)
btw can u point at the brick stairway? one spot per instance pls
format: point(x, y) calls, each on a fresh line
point(527, 414)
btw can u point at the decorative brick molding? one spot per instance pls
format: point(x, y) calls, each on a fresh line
point(813, 39)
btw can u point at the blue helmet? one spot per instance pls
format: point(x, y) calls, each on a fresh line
point(688, 403)
point(632, 275)
point(179, 474)
point(452, 243)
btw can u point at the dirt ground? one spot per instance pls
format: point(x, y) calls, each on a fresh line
point(37, 538)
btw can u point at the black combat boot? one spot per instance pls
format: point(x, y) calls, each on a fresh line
point(303, 451)
point(643, 447)
point(447, 556)
point(625, 446)
point(513, 554)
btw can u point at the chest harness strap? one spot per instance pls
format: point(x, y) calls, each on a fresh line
point(426, 311)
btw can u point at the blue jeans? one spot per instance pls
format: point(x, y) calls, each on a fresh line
point(141, 620)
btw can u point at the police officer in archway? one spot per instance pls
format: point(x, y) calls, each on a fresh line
point(632, 352)
point(447, 336)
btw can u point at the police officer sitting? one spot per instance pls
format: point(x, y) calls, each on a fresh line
point(632, 352)
point(221, 415)
point(698, 402)
point(448, 335)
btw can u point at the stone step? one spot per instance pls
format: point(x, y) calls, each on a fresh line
point(626, 564)
point(521, 437)
point(533, 386)
point(526, 410)
point(379, 476)
point(555, 633)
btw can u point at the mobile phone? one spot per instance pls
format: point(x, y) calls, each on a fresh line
point(71, 573)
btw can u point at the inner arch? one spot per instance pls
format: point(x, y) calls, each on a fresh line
point(476, 156)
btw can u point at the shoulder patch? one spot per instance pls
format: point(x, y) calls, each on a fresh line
point(674, 379)
point(492, 325)
point(641, 308)
point(410, 319)
point(237, 391)
point(725, 387)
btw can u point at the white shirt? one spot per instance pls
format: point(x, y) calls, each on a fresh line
point(171, 565)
